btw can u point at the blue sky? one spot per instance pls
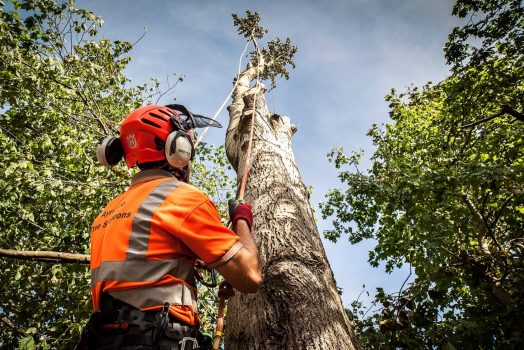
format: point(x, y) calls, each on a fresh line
point(350, 54)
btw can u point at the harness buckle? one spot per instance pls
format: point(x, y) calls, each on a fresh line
point(177, 331)
point(188, 343)
point(164, 316)
point(165, 310)
point(162, 322)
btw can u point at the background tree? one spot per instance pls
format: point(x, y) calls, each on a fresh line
point(298, 306)
point(62, 89)
point(445, 195)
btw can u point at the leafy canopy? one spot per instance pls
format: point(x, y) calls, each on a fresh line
point(62, 89)
point(445, 196)
point(277, 55)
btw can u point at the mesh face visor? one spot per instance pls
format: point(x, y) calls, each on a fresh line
point(193, 121)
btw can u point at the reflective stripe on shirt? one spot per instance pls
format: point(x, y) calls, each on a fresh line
point(142, 271)
point(139, 238)
point(174, 294)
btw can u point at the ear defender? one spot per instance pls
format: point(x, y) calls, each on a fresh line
point(110, 151)
point(179, 149)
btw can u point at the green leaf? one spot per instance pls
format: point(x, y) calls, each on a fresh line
point(26, 343)
point(31, 330)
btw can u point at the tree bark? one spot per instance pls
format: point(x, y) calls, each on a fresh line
point(298, 306)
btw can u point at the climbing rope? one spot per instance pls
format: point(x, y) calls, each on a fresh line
point(242, 189)
point(227, 97)
point(219, 331)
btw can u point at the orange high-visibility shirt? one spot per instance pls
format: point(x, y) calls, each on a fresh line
point(144, 244)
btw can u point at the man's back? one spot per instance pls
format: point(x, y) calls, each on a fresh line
point(145, 242)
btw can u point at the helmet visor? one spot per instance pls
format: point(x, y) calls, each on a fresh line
point(193, 121)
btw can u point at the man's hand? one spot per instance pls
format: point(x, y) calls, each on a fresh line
point(225, 291)
point(243, 271)
point(232, 205)
point(200, 264)
point(239, 211)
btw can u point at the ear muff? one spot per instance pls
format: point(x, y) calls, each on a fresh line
point(179, 149)
point(110, 151)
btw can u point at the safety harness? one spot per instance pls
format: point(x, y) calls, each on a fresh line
point(119, 325)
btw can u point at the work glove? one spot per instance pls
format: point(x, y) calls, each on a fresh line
point(239, 211)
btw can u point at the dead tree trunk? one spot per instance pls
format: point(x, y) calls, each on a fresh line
point(298, 306)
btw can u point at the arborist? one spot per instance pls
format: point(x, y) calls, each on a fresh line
point(145, 242)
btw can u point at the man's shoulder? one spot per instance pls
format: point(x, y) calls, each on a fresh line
point(190, 199)
point(191, 193)
point(191, 189)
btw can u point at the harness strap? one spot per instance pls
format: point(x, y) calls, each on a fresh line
point(122, 326)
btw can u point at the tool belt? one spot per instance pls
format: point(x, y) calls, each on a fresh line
point(121, 326)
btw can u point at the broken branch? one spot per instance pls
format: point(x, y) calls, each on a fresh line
point(45, 256)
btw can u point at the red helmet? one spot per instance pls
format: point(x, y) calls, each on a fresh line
point(153, 134)
point(144, 132)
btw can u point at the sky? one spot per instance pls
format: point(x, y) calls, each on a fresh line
point(350, 55)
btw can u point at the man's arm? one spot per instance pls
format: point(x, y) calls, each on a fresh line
point(243, 270)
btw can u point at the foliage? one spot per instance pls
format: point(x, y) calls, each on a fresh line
point(498, 23)
point(249, 26)
point(277, 55)
point(62, 89)
point(445, 196)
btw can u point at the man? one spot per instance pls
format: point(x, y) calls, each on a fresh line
point(145, 242)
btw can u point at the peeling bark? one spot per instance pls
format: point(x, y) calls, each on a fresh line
point(298, 306)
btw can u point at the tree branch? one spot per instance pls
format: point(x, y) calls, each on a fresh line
point(45, 256)
point(508, 110)
point(504, 110)
point(400, 293)
point(494, 282)
point(483, 226)
point(10, 323)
